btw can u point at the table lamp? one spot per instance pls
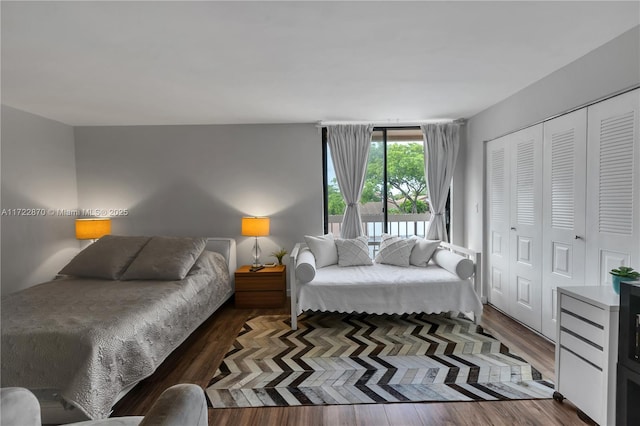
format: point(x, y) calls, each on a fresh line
point(255, 227)
point(92, 228)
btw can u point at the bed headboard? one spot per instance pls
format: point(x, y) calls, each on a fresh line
point(227, 248)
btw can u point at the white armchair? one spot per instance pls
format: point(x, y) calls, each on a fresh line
point(180, 405)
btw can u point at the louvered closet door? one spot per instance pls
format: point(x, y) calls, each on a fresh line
point(525, 273)
point(613, 187)
point(498, 200)
point(564, 192)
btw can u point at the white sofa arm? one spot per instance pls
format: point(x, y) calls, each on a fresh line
point(305, 266)
point(461, 266)
point(179, 405)
point(18, 406)
point(476, 258)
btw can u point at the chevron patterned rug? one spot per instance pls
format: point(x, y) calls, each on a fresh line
point(363, 359)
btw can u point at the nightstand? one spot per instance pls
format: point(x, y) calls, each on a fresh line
point(265, 288)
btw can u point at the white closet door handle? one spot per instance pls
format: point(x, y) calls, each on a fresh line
point(578, 237)
point(513, 228)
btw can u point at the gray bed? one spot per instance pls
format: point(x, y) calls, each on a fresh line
point(84, 341)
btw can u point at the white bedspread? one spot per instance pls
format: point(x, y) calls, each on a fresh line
point(385, 289)
point(91, 338)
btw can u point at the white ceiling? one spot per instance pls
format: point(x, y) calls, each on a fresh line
point(117, 63)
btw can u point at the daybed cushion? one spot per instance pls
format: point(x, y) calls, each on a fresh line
point(305, 266)
point(107, 258)
point(454, 263)
point(323, 249)
point(385, 289)
point(395, 250)
point(422, 251)
point(353, 252)
point(165, 259)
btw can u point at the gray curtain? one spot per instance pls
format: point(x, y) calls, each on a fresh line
point(349, 145)
point(441, 144)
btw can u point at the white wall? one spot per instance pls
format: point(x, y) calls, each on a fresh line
point(608, 69)
point(201, 180)
point(38, 172)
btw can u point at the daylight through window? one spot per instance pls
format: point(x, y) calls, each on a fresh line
point(394, 197)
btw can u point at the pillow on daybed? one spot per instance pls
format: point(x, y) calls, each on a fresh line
point(323, 249)
point(423, 251)
point(165, 259)
point(107, 258)
point(454, 263)
point(353, 252)
point(395, 250)
point(305, 266)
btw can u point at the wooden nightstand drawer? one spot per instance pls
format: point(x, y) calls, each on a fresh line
point(259, 283)
point(260, 299)
point(265, 288)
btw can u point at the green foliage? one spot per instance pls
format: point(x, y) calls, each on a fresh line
point(336, 202)
point(279, 255)
point(405, 175)
point(406, 207)
point(625, 271)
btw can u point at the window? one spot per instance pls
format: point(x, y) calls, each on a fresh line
point(394, 197)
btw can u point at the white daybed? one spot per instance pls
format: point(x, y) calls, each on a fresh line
point(387, 289)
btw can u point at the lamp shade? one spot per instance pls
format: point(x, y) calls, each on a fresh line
point(92, 228)
point(255, 226)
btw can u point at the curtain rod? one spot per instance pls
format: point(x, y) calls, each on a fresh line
point(390, 123)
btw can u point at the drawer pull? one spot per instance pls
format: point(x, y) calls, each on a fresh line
point(581, 357)
point(581, 318)
point(577, 336)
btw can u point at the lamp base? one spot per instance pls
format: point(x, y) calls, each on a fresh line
point(256, 254)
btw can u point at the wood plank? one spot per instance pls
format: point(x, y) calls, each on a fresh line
point(196, 360)
point(371, 415)
point(403, 414)
point(339, 415)
point(531, 346)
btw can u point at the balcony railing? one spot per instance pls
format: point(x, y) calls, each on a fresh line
point(403, 225)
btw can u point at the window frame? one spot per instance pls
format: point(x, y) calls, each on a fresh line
point(325, 192)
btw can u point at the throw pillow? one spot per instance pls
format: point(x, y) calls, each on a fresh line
point(422, 251)
point(454, 263)
point(107, 258)
point(353, 252)
point(395, 250)
point(305, 266)
point(323, 249)
point(165, 258)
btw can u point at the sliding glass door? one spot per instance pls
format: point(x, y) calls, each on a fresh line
point(394, 197)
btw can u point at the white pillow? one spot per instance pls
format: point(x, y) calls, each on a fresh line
point(395, 250)
point(323, 249)
point(305, 266)
point(353, 252)
point(454, 263)
point(422, 251)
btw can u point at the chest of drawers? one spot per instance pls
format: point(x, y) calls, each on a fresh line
point(587, 350)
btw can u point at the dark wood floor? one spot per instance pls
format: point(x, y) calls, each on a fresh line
point(197, 359)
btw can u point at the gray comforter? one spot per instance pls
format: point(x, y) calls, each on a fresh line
point(91, 338)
